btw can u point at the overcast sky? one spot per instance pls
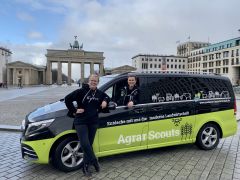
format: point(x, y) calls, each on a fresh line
point(119, 28)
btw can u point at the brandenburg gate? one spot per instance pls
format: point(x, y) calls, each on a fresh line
point(73, 55)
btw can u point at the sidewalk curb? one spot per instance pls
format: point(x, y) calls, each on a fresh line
point(10, 128)
point(18, 128)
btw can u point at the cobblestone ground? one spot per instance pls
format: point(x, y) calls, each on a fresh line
point(14, 110)
point(176, 162)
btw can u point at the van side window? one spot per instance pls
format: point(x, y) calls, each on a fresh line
point(117, 91)
point(114, 91)
point(208, 88)
point(167, 89)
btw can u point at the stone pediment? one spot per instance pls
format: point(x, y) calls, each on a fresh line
point(20, 64)
point(125, 67)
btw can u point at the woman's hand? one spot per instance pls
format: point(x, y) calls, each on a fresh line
point(80, 110)
point(130, 104)
point(104, 104)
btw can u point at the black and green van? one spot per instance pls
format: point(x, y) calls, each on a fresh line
point(174, 108)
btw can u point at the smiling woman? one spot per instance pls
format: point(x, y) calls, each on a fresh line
point(90, 101)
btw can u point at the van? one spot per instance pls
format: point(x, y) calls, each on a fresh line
point(173, 109)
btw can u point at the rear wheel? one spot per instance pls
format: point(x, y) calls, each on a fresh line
point(208, 137)
point(68, 155)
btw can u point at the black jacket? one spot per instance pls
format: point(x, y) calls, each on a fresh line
point(128, 95)
point(88, 100)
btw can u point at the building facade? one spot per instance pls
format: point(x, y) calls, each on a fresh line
point(220, 58)
point(5, 58)
point(25, 74)
point(184, 49)
point(156, 63)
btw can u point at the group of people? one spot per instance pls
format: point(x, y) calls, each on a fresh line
point(90, 101)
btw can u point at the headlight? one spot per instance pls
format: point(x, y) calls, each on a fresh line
point(23, 124)
point(33, 128)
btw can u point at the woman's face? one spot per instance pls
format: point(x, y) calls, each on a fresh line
point(93, 82)
point(131, 82)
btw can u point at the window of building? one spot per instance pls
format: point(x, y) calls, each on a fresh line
point(175, 66)
point(155, 66)
point(150, 65)
point(167, 66)
point(218, 70)
point(172, 66)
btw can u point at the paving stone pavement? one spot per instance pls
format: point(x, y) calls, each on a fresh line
point(175, 162)
point(17, 103)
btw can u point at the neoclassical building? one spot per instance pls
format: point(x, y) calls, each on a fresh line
point(21, 73)
point(74, 55)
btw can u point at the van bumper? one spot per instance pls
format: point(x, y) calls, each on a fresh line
point(36, 151)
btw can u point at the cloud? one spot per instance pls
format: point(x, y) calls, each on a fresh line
point(24, 16)
point(45, 5)
point(33, 53)
point(35, 35)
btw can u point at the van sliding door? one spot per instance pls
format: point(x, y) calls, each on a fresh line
point(170, 111)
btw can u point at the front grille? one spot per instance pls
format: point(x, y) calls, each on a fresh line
point(28, 153)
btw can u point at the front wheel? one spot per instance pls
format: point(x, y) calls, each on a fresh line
point(68, 155)
point(208, 137)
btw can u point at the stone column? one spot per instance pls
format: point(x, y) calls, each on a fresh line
point(44, 77)
point(23, 76)
point(59, 76)
point(101, 69)
point(82, 72)
point(69, 73)
point(49, 72)
point(30, 77)
point(91, 68)
point(8, 76)
point(14, 76)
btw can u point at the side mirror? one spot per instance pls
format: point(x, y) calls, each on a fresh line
point(112, 105)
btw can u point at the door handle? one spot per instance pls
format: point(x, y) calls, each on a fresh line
point(157, 108)
point(138, 110)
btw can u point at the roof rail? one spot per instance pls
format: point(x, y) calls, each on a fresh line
point(179, 72)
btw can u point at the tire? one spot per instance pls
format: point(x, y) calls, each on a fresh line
point(68, 155)
point(208, 137)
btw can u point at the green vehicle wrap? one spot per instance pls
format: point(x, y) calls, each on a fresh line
point(146, 135)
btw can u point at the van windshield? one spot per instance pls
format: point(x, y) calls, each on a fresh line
point(105, 79)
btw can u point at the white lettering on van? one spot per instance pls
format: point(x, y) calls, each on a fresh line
point(152, 135)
